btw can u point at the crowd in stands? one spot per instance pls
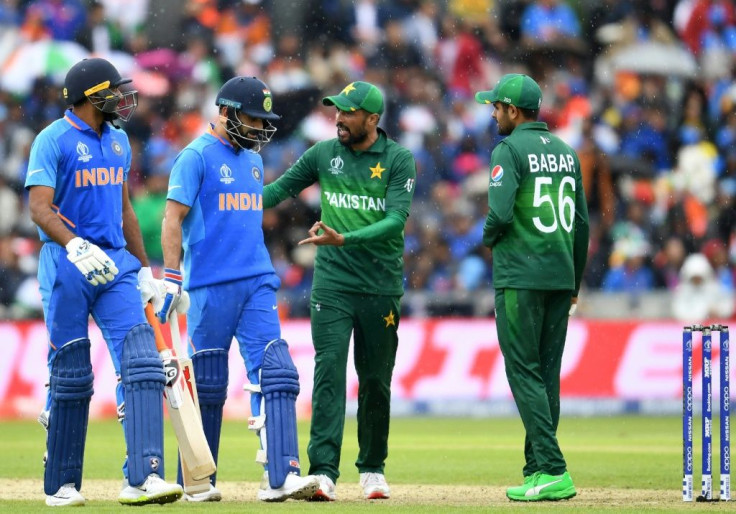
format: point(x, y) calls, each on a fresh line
point(645, 92)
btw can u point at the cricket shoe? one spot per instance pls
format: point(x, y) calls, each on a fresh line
point(211, 495)
point(294, 487)
point(325, 491)
point(153, 490)
point(66, 496)
point(374, 486)
point(520, 490)
point(541, 487)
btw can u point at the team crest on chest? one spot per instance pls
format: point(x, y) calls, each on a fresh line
point(377, 170)
point(226, 174)
point(117, 148)
point(336, 165)
point(83, 152)
point(256, 173)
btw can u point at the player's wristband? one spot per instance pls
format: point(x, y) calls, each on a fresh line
point(173, 275)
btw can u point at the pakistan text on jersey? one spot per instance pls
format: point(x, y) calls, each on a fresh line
point(350, 201)
point(240, 202)
point(98, 177)
point(551, 163)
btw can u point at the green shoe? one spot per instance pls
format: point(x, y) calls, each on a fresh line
point(540, 486)
point(521, 489)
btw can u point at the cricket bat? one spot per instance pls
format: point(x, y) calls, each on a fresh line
point(183, 413)
point(191, 484)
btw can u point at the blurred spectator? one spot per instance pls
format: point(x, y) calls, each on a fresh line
point(421, 29)
point(716, 252)
point(699, 296)
point(129, 15)
point(668, 261)
point(549, 21)
point(100, 35)
point(597, 179)
point(11, 275)
point(459, 58)
point(656, 149)
point(629, 272)
point(712, 23)
point(10, 207)
point(644, 135)
point(59, 19)
point(243, 32)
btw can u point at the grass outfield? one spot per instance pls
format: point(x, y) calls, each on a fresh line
point(619, 464)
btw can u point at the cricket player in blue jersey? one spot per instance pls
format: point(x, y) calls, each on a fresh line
point(90, 263)
point(214, 211)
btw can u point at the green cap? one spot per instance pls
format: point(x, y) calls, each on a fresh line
point(514, 89)
point(357, 95)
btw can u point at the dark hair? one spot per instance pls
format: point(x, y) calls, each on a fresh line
point(529, 114)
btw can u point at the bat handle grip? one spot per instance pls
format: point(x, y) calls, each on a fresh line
point(153, 321)
point(177, 344)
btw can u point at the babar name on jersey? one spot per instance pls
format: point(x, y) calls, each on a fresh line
point(240, 202)
point(551, 163)
point(353, 201)
point(98, 177)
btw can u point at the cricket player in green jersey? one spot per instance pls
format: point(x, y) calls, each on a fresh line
point(537, 227)
point(367, 184)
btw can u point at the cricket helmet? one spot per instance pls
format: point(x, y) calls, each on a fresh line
point(97, 79)
point(250, 96)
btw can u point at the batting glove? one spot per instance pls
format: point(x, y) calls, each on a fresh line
point(150, 289)
point(91, 261)
point(183, 306)
point(172, 285)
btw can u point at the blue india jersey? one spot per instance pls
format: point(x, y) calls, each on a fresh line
point(87, 173)
point(222, 234)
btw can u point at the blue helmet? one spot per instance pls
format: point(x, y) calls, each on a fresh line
point(96, 79)
point(250, 96)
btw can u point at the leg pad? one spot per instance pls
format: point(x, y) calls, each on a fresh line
point(280, 387)
point(70, 391)
point(143, 380)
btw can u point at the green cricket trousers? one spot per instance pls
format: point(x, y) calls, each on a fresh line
point(532, 326)
point(373, 321)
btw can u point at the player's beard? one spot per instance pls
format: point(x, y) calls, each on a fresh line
point(504, 129)
point(350, 139)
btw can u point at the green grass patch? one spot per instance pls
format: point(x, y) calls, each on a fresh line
point(627, 452)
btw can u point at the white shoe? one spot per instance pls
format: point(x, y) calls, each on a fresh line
point(66, 496)
point(326, 491)
point(153, 490)
point(294, 487)
point(212, 495)
point(374, 486)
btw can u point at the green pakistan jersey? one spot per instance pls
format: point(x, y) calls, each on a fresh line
point(537, 223)
point(366, 197)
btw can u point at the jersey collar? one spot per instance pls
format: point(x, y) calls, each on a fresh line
point(76, 122)
point(378, 146)
point(532, 125)
point(211, 132)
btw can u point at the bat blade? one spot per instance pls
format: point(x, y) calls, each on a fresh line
point(183, 412)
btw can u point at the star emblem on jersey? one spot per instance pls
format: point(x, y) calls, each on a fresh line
point(350, 87)
point(256, 174)
point(390, 320)
point(377, 170)
point(117, 148)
